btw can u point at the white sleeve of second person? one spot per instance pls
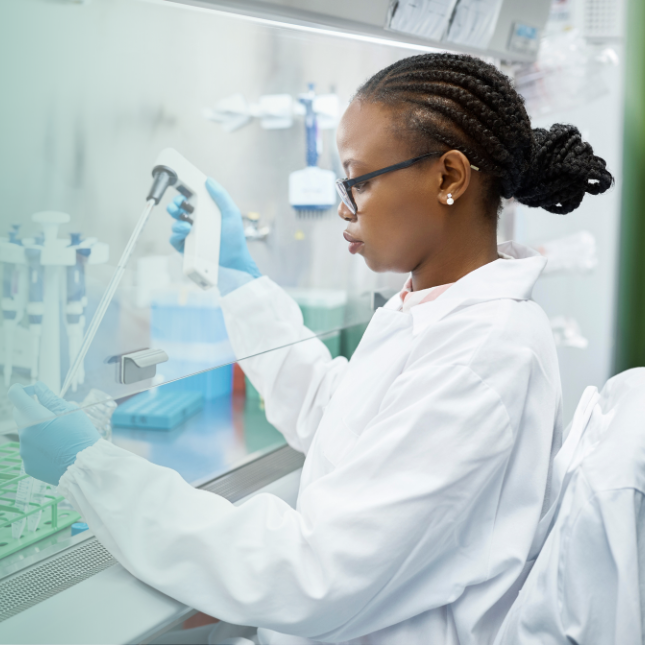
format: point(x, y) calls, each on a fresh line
point(402, 525)
point(296, 381)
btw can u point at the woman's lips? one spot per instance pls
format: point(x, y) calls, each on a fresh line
point(354, 244)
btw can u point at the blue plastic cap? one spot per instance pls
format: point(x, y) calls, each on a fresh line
point(75, 239)
point(79, 527)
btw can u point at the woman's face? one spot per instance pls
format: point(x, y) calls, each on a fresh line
point(400, 222)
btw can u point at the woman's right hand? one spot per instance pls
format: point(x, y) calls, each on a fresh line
point(233, 253)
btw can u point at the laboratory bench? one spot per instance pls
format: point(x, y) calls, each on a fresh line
point(69, 589)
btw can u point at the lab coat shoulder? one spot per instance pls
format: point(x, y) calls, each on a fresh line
point(507, 343)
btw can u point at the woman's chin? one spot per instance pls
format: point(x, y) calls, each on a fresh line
point(375, 264)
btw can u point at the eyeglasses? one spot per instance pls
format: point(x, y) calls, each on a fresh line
point(344, 186)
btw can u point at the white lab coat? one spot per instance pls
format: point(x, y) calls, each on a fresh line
point(427, 462)
point(588, 583)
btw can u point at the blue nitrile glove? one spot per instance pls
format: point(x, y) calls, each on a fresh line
point(234, 257)
point(50, 445)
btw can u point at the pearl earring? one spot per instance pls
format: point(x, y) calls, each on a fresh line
point(450, 201)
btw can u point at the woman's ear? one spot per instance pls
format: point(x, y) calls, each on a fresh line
point(455, 177)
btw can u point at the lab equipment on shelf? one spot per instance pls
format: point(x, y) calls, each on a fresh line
point(14, 289)
point(275, 111)
point(253, 232)
point(189, 325)
point(312, 191)
point(36, 291)
point(323, 310)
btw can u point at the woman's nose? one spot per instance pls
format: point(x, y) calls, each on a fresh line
point(345, 213)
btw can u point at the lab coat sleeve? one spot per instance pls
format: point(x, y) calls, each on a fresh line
point(585, 586)
point(402, 524)
point(296, 381)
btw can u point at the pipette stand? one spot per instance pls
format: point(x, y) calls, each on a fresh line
point(43, 358)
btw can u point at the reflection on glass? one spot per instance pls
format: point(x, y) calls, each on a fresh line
point(105, 96)
point(96, 94)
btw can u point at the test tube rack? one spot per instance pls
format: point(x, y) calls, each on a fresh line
point(53, 519)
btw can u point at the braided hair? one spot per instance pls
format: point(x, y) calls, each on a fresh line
point(462, 103)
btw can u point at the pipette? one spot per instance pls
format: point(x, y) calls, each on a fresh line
point(108, 295)
point(201, 252)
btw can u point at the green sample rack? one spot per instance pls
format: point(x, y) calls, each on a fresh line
point(52, 518)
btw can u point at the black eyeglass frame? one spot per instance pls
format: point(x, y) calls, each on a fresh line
point(344, 186)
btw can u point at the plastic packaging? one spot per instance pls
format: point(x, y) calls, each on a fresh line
point(573, 253)
point(568, 73)
point(567, 333)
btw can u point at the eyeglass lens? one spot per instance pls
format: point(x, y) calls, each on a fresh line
point(342, 192)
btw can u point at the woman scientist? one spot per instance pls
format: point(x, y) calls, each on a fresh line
point(427, 454)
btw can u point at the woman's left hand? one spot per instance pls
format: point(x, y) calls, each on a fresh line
point(55, 433)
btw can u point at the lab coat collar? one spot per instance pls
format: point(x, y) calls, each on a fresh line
point(510, 277)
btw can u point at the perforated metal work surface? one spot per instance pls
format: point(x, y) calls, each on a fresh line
point(24, 590)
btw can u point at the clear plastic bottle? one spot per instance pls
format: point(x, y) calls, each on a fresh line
point(99, 407)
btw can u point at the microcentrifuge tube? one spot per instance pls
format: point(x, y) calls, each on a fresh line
point(21, 504)
point(37, 496)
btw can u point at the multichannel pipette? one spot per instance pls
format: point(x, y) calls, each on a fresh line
point(201, 251)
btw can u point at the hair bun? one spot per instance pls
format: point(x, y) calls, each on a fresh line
point(563, 168)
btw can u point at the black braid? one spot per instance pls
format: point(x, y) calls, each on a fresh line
point(465, 104)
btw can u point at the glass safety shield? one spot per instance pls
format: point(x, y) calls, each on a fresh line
point(98, 90)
